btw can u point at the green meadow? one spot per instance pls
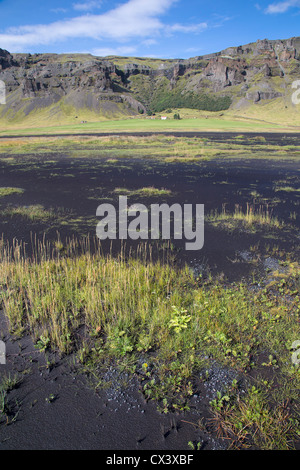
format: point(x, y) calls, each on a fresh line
point(148, 125)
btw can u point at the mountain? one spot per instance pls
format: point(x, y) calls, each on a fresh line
point(251, 80)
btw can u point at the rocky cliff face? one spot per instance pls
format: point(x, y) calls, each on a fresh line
point(45, 74)
point(247, 74)
point(260, 71)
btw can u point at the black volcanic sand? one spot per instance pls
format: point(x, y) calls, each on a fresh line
point(74, 186)
point(55, 407)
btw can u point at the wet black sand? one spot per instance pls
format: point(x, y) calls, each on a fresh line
point(57, 409)
point(75, 186)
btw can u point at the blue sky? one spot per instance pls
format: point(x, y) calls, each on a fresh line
point(156, 28)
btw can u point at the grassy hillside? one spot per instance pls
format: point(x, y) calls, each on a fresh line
point(245, 88)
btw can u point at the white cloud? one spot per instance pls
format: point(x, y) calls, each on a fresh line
point(282, 7)
point(192, 28)
point(130, 20)
point(149, 42)
point(58, 10)
point(87, 6)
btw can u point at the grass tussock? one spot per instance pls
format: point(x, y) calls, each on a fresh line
point(7, 191)
point(271, 426)
point(33, 212)
point(253, 218)
point(8, 382)
point(146, 191)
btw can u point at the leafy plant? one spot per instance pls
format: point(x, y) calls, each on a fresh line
point(42, 343)
point(195, 445)
point(272, 362)
point(120, 342)
point(220, 401)
point(179, 320)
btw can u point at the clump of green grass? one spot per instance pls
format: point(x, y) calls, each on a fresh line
point(252, 419)
point(252, 218)
point(34, 212)
point(7, 191)
point(146, 191)
point(287, 189)
point(8, 383)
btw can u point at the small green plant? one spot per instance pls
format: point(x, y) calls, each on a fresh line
point(120, 342)
point(2, 402)
point(9, 382)
point(195, 445)
point(234, 385)
point(272, 362)
point(144, 343)
point(179, 320)
point(43, 343)
point(220, 401)
point(51, 398)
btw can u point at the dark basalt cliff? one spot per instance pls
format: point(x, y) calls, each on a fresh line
point(234, 77)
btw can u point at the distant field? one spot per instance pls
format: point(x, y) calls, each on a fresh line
point(153, 125)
